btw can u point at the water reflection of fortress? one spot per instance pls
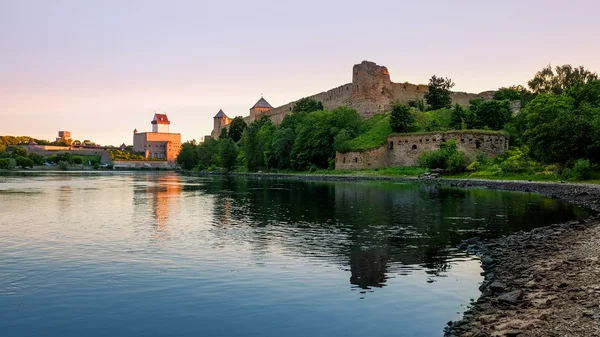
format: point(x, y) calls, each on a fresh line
point(374, 230)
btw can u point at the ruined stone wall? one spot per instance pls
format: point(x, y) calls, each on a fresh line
point(405, 150)
point(368, 159)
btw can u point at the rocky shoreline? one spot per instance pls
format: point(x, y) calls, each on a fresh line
point(545, 282)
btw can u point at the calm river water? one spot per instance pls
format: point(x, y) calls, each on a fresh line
point(134, 254)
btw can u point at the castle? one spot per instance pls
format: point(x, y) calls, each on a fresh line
point(159, 143)
point(370, 92)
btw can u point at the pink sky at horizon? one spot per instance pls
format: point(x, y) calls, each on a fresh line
point(102, 68)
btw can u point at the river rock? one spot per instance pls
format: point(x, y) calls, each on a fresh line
point(511, 297)
point(497, 286)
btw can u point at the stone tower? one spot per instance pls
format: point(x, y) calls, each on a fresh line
point(259, 108)
point(372, 88)
point(220, 120)
point(160, 123)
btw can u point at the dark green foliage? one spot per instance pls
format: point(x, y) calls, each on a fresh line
point(281, 147)
point(224, 134)
point(24, 162)
point(96, 166)
point(458, 120)
point(8, 163)
point(77, 160)
point(438, 95)
point(314, 145)
point(227, 154)
point(556, 131)
point(448, 157)
point(340, 141)
point(63, 165)
point(491, 114)
point(418, 104)
point(188, 156)
point(37, 159)
point(236, 128)
point(401, 119)
point(256, 143)
point(548, 81)
point(19, 152)
point(306, 105)
point(582, 170)
point(207, 154)
point(514, 93)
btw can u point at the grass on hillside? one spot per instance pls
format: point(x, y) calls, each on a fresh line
point(377, 130)
point(92, 159)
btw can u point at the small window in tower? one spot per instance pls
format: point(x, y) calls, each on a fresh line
point(414, 147)
point(391, 145)
point(356, 159)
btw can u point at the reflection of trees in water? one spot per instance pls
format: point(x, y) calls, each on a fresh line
point(371, 226)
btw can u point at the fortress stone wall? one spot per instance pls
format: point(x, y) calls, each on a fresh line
point(370, 92)
point(405, 150)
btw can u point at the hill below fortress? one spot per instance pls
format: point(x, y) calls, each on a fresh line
point(370, 92)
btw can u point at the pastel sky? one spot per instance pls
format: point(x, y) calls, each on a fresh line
point(102, 68)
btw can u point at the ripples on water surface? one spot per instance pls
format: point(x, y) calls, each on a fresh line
point(134, 254)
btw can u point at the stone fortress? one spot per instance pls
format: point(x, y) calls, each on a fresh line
point(370, 92)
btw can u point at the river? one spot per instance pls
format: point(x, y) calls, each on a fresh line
point(159, 254)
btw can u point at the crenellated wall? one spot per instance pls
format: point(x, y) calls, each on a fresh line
point(405, 150)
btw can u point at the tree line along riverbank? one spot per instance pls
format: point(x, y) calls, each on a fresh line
point(552, 125)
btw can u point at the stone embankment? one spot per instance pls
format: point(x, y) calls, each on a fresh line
point(545, 282)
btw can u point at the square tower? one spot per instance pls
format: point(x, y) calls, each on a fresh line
point(160, 123)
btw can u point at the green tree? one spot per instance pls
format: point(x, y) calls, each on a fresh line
point(281, 147)
point(438, 95)
point(340, 141)
point(306, 105)
point(24, 162)
point(563, 77)
point(37, 159)
point(458, 119)
point(401, 119)
point(227, 154)
point(224, 134)
point(77, 160)
point(236, 128)
point(557, 132)
point(188, 156)
point(19, 152)
point(492, 114)
point(255, 142)
point(207, 154)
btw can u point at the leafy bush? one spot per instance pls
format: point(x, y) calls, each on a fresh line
point(19, 152)
point(96, 166)
point(37, 159)
point(448, 157)
point(582, 170)
point(24, 162)
point(77, 160)
point(8, 163)
point(401, 119)
point(63, 165)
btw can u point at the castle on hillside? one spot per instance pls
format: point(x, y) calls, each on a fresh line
point(370, 92)
point(159, 143)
